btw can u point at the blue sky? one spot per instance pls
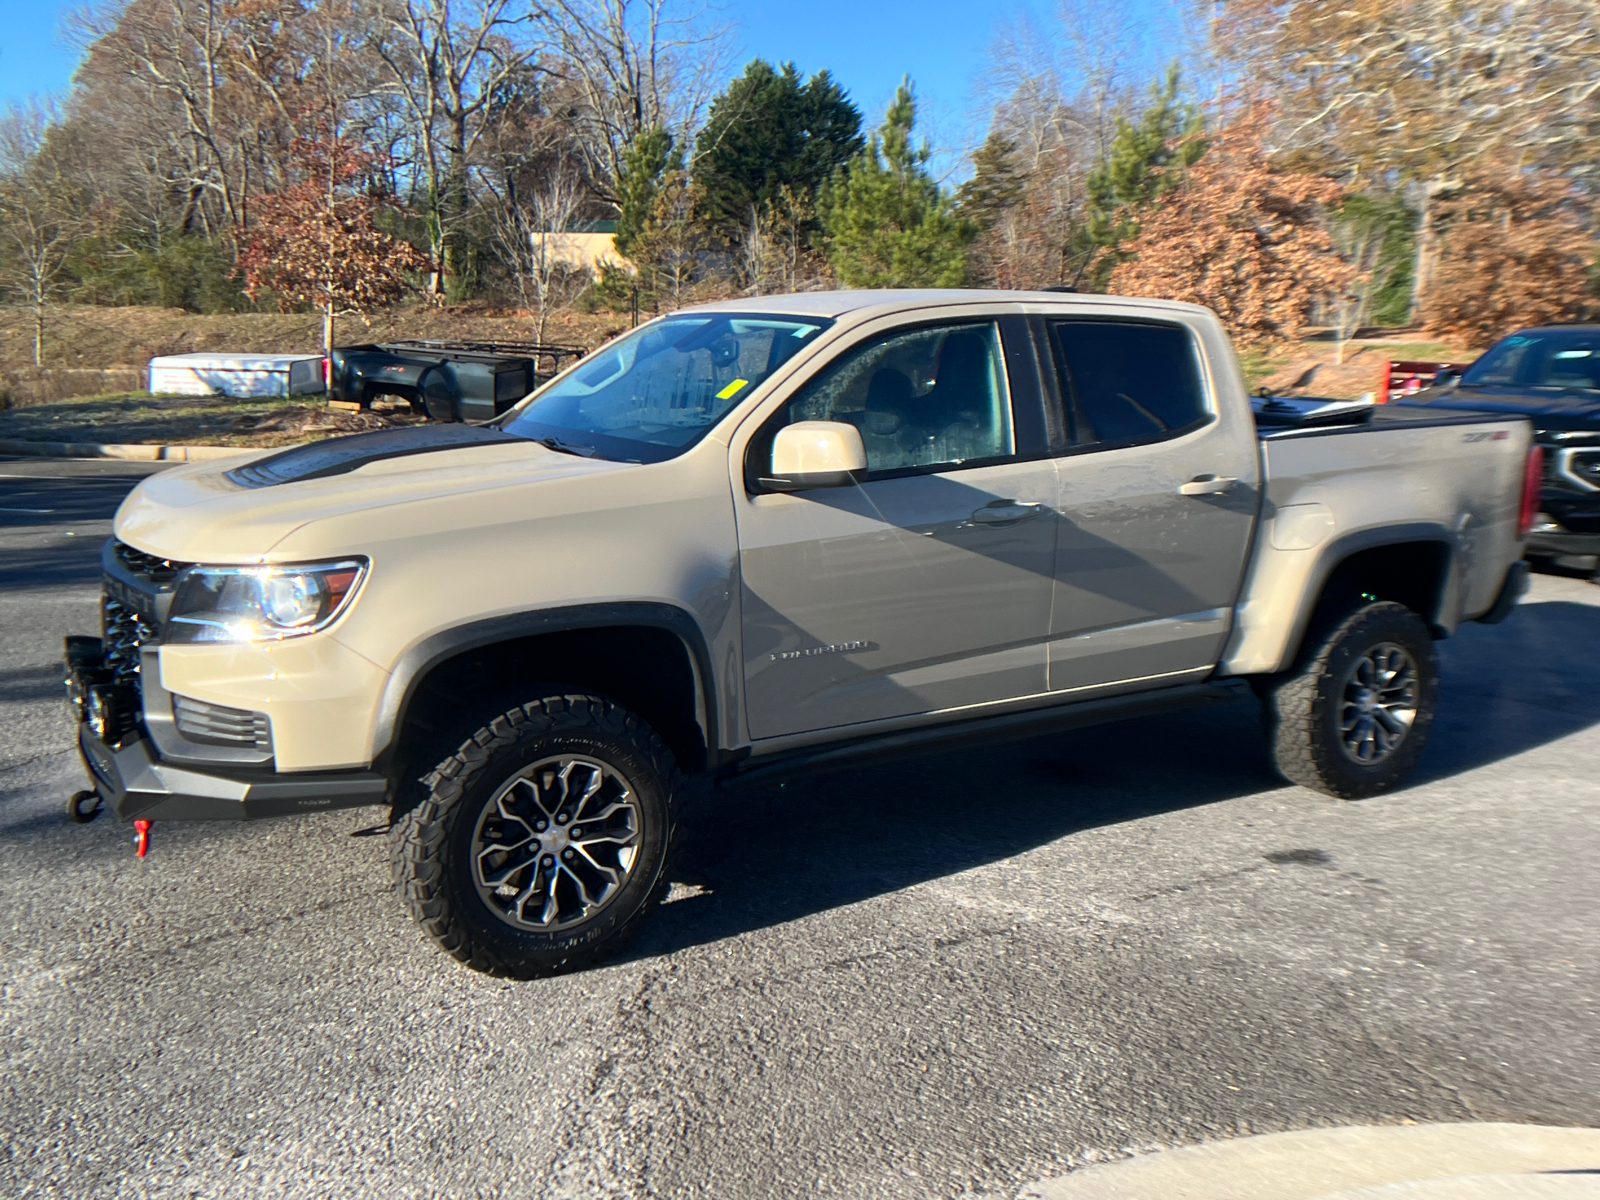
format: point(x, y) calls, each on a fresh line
point(868, 45)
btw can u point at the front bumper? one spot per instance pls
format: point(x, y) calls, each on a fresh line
point(1558, 542)
point(135, 781)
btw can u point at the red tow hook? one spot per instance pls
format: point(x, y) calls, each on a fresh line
point(141, 838)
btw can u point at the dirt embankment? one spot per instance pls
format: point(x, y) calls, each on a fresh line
point(141, 419)
point(94, 350)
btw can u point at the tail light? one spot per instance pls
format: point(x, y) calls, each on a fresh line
point(1532, 475)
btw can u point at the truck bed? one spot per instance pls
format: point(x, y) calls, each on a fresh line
point(1335, 476)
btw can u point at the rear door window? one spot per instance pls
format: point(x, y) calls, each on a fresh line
point(1129, 382)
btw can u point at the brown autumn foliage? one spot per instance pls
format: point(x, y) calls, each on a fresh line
point(1241, 238)
point(1515, 252)
point(316, 242)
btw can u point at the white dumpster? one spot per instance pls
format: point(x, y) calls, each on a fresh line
point(236, 374)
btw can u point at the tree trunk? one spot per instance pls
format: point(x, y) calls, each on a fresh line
point(327, 329)
point(1427, 255)
point(38, 333)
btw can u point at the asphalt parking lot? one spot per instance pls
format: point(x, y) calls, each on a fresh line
point(941, 979)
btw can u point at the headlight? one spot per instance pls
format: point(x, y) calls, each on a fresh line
point(261, 604)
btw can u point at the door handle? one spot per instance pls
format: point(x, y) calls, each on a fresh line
point(1005, 512)
point(1208, 485)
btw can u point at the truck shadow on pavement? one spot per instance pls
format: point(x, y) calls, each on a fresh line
point(781, 852)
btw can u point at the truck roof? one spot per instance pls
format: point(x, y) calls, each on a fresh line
point(859, 300)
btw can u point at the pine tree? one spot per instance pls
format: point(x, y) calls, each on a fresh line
point(644, 165)
point(769, 136)
point(1148, 157)
point(996, 183)
point(886, 222)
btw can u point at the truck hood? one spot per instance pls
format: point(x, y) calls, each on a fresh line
point(237, 510)
point(1548, 408)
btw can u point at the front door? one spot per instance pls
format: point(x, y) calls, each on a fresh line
point(927, 586)
point(1157, 502)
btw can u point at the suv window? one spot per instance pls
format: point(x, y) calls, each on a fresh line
point(1564, 358)
point(1129, 382)
point(927, 397)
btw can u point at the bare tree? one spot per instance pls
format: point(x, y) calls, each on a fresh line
point(448, 65)
point(215, 89)
point(533, 225)
point(1429, 87)
point(1065, 83)
point(38, 217)
point(629, 66)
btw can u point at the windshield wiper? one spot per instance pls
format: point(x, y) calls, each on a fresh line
point(555, 443)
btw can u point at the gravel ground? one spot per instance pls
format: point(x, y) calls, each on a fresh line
point(938, 980)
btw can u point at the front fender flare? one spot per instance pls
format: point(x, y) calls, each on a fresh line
point(418, 660)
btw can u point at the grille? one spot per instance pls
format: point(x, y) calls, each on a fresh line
point(123, 632)
point(1585, 465)
point(217, 725)
point(147, 566)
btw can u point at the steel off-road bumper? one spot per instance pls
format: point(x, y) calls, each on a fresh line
point(136, 784)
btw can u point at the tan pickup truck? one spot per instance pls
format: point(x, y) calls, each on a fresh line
point(773, 536)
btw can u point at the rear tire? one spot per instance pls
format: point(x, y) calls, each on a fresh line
point(541, 844)
point(1353, 717)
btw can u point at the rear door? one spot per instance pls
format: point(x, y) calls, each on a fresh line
point(927, 586)
point(1157, 501)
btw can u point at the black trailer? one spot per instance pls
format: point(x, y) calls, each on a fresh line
point(448, 381)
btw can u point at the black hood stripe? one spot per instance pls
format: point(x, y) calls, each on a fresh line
point(341, 455)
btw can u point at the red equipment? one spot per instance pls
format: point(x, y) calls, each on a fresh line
point(1403, 378)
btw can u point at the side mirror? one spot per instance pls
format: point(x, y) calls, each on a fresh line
point(815, 454)
point(1446, 379)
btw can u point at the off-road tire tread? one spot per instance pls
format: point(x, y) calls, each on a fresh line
point(417, 837)
point(1294, 708)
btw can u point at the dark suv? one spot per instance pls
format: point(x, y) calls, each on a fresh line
point(1551, 374)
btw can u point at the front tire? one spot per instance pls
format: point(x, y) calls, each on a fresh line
point(541, 844)
point(1353, 718)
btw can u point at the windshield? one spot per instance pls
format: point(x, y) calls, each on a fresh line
point(1564, 358)
point(655, 393)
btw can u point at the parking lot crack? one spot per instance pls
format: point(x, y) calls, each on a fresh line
point(1199, 881)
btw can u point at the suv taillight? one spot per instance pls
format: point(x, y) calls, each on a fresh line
point(1532, 475)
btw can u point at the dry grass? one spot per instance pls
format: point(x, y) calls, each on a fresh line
point(141, 418)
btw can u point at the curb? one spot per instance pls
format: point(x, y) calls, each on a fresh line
point(130, 451)
point(1474, 1161)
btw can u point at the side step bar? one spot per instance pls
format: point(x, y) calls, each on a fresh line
point(979, 731)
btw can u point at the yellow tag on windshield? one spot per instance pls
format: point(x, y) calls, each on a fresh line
point(732, 390)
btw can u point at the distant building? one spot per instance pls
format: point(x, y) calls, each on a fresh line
point(587, 244)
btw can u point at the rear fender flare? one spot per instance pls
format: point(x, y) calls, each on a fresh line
point(1446, 614)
